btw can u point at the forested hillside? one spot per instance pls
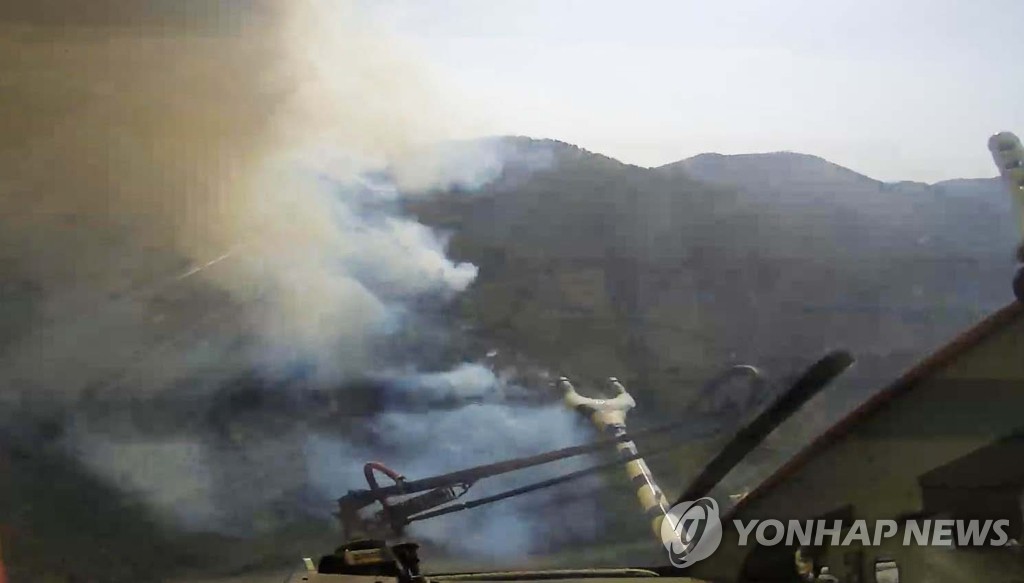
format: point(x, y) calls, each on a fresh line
point(662, 276)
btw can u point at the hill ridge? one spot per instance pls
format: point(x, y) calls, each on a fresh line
point(703, 156)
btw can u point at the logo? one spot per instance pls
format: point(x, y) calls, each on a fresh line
point(691, 531)
point(936, 533)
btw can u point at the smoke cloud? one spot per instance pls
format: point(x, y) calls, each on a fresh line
point(207, 161)
point(192, 191)
point(295, 470)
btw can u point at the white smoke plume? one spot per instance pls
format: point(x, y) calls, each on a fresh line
point(430, 443)
point(196, 484)
point(190, 191)
point(198, 178)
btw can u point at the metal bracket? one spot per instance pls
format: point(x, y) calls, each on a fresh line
point(603, 412)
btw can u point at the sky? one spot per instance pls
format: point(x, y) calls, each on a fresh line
point(897, 90)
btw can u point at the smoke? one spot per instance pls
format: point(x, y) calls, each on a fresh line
point(467, 382)
point(429, 443)
point(191, 192)
point(294, 470)
point(211, 166)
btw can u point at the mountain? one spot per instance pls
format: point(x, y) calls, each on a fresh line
point(780, 173)
point(590, 267)
point(943, 214)
point(663, 276)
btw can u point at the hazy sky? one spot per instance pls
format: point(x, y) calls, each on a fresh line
point(893, 89)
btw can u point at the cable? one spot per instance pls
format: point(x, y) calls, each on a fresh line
point(538, 485)
point(474, 474)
